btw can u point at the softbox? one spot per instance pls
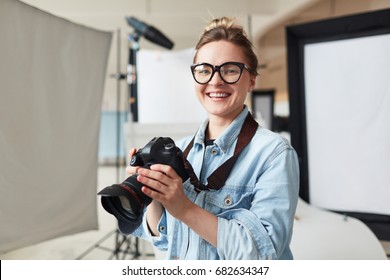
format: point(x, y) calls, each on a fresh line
point(339, 94)
point(52, 74)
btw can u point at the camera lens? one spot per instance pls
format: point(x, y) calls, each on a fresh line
point(126, 202)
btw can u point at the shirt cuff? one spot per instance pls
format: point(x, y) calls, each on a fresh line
point(160, 241)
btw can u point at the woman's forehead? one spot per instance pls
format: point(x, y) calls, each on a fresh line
point(219, 52)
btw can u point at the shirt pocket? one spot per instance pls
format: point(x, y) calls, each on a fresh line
point(228, 198)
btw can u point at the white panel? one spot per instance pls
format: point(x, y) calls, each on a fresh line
point(52, 74)
point(347, 93)
point(166, 89)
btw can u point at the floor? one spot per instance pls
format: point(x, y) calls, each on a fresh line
point(101, 244)
point(386, 246)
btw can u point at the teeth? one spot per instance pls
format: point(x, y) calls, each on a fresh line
point(218, 94)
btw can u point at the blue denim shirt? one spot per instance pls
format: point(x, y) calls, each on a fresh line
point(255, 208)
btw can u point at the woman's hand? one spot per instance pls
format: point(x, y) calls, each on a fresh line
point(161, 183)
point(132, 169)
point(164, 185)
point(154, 209)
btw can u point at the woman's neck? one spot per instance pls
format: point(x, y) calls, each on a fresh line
point(218, 124)
point(216, 127)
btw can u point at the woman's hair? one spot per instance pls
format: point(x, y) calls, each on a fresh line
point(225, 29)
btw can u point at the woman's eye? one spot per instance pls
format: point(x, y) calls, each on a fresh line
point(204, 72)
point(230, 71)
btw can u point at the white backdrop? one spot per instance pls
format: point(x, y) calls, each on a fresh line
point(51, 84)
point(347, 93)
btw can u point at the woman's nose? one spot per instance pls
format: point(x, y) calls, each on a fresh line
point(216, 79)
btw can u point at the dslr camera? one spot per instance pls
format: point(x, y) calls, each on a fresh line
point(126, 201)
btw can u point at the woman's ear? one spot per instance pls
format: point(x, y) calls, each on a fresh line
point(252, 83)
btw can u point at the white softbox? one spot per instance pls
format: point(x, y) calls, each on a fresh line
point(339, 93)
point(52, 74)
point(166, 88)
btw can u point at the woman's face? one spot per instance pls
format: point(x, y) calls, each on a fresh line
point(217, 97)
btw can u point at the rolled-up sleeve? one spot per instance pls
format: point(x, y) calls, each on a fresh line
point(161, 241)
point(264, 230)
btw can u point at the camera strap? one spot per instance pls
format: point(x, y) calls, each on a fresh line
point(218, 178)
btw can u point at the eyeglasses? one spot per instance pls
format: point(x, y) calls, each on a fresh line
point(230, 72)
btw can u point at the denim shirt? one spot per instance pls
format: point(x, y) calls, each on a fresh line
point(255, 208)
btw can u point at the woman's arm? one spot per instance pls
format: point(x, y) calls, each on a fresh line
point(264, 230)
point(153, 215)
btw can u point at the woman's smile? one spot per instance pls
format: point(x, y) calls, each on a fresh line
point(218, 95)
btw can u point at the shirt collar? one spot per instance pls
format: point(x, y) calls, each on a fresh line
point(226, 140)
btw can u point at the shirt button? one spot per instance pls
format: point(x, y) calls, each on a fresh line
point(214, 152)
point(228, 200)
point(162, 228)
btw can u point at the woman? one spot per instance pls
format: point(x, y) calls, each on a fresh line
point(250, 216)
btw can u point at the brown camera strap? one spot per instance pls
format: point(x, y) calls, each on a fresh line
point(218, 178)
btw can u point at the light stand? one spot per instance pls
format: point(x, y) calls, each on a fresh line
point(132, 74)
point(125, 247)
point(151, 34)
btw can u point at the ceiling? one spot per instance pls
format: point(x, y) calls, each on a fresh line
point(180, 20)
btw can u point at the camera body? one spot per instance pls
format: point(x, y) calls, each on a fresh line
point(126, 201)
point(160, 150)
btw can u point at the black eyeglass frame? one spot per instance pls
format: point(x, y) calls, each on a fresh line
point(217, 68)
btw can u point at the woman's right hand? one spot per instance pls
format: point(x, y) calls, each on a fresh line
point(132, 169)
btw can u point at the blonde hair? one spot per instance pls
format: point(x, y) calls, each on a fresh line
point(226, 29)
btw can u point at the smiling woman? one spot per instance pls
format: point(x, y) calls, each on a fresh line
point(242, 203)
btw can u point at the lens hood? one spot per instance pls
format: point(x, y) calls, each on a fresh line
point(128, 221)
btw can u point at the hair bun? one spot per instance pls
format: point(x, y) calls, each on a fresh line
point(225, 22)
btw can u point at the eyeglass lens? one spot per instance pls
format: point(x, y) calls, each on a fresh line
point(229, 72)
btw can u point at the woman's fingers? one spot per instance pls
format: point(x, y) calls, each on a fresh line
point(165, 169)
point(151, 193)
point(132, 152)
point(152, 179)
point(132, 169)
